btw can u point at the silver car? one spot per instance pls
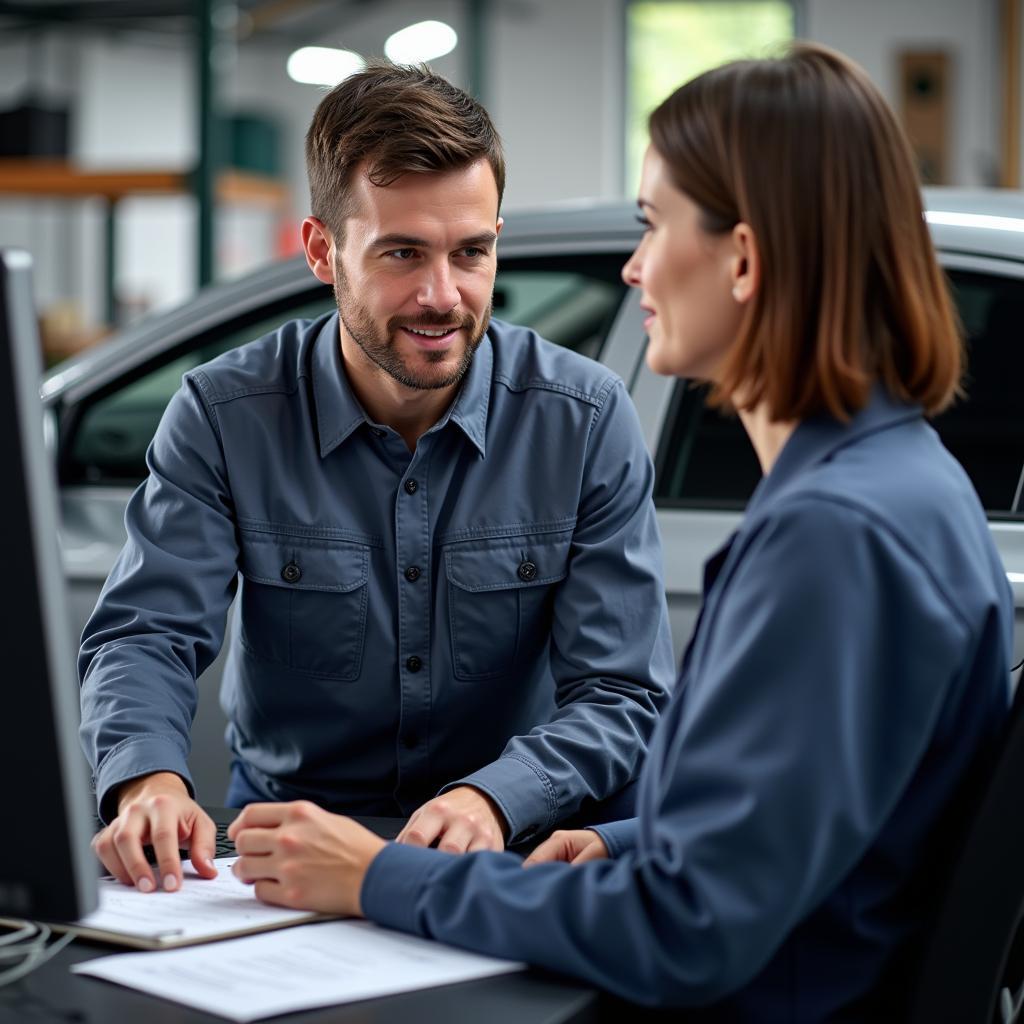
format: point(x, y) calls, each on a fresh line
point(559, 273)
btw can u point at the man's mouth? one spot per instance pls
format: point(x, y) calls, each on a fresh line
point(432, 339)
point(436, 333)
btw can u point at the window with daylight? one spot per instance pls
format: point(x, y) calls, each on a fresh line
point(671, 41)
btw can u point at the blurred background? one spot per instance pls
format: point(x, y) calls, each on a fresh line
point(151, 146)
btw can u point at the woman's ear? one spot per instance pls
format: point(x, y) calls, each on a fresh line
point(745, 264)
point(318, 246)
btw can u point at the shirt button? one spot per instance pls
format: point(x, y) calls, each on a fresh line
point(413, 664)
point(380, 433)
point(411, 486)
point(412, 574)
point(410, 742)
point(291, 573)
point(527, 571)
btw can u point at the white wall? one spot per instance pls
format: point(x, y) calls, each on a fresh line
point(872, 32)
point(555, 92)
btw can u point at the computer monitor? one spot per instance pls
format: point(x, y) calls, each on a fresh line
point(47, 870)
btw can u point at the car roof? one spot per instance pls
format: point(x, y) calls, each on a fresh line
point(985, 222)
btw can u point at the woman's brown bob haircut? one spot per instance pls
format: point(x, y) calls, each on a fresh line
point(806, 151)
point(399, 120)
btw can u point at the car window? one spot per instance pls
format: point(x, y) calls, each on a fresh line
point(985, 429)
point(572, 301)
point(705, 460)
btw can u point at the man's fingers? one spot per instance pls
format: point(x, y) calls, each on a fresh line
point(254, 842)
point(163, 835)
point(457, 838)
point(128, 837)
point(202, 845)
point(103, 846)
point(483, 843)
point(424, 830)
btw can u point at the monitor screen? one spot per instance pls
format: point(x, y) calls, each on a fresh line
point(47, 870)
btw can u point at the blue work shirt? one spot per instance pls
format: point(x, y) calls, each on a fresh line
point(851, 658)
point(488, 609)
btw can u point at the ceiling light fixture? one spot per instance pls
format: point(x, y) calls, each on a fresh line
point(322, 65)
point(426, 40)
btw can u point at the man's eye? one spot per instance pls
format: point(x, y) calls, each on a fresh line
point(474, 252)
point(402, 254)
point(643, 222)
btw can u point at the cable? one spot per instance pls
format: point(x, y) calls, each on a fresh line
point(28, 944)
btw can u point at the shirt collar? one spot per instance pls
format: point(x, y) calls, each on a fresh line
point(338, 412)
point(818, 438)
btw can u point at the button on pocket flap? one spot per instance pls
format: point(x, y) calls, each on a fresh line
point(304, 563)
point(506, 562)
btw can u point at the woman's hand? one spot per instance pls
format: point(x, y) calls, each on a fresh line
point(301, 856)
point(574, 847)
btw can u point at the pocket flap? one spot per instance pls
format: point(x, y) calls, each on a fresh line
point(505, 562)
point(304, 563)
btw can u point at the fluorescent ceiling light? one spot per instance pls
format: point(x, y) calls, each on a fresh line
point(426, 40)
point(1015, 577)
point(322, 65)
point(974, 220)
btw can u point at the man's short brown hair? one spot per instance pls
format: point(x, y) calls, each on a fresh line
point(805, 150)
point(398, 120)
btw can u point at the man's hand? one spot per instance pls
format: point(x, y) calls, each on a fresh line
point(156, 809)
point(301, 856)
point(574, 847)
point(462, 820)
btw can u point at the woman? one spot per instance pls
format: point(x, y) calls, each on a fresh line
point(852, 653)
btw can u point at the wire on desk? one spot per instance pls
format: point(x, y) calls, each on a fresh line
point(29, 945)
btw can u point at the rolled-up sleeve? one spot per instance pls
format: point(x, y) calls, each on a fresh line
point(805, 717)
point(161, 615)
point(610, 644)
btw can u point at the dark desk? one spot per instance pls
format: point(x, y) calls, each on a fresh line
point(52, 995)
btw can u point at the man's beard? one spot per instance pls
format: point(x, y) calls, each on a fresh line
point(380, 346)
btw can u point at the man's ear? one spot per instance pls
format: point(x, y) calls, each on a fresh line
point(318, 246)
point(745, 263)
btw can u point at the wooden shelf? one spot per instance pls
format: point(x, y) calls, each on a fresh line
point(58, 179)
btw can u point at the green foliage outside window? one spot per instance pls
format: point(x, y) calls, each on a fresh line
point(670, 42)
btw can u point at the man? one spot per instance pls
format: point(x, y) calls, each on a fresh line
point(451, 603)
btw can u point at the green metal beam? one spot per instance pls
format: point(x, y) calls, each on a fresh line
point(110, 264)
point(213, 18)
point(476, 47)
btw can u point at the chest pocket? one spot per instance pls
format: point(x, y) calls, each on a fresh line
point(304, 603)
point(499, 599)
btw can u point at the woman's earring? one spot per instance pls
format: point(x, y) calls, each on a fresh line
point(736, 292)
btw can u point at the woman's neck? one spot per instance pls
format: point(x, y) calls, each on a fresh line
point(767, 436)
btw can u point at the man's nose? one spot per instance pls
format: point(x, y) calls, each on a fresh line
point(437, 288)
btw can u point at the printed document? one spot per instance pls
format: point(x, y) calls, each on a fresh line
point(203, 909)
point(294, 969)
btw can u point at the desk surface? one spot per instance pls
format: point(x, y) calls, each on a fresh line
point(53, 995)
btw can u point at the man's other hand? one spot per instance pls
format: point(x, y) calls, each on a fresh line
point(572, 847)
point(463, 820)
point(301, 856)
point(156, 809)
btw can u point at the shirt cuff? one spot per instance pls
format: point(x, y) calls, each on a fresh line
point(522, 791)
point(138, 755)
point(619, 836)
point(390, 894)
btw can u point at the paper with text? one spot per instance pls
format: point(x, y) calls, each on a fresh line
point(294, 969)
point(203, 909)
